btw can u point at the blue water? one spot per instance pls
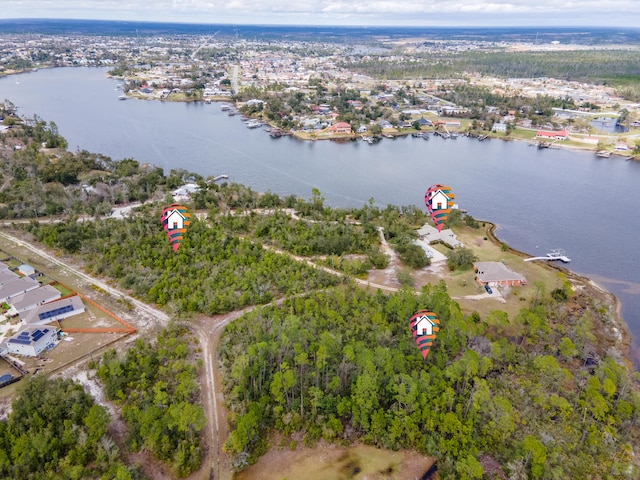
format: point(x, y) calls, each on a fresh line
point(540, 199)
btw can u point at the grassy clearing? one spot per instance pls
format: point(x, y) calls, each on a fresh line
point(461, 284)
point(339, 463)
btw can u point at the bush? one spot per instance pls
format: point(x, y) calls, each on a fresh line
point(460, 259)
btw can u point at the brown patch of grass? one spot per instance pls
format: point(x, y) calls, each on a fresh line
point(344, 463)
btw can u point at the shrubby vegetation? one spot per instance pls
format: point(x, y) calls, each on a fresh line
point(157, 388)
point(56, 431)
point(214, 270)
point(342, 365)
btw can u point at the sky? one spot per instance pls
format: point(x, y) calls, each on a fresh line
point(592, 13)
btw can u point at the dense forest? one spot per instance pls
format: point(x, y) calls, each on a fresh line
point(56, 431)
point(619, 68)
point(341, 365)
point(156, 386)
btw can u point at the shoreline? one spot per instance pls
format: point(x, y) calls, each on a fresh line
point(630, 350)
point(312, 136)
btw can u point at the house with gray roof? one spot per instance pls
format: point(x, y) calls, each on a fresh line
point(432, 235)
point(497, 274)
point(54, 311)
point(34, 298)
point(7, 276)
point(17, 287)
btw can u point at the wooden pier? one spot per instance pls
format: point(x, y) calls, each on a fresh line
point(557, 254)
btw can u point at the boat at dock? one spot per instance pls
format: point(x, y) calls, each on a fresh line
point(254, 123)
point(556, 254)
point(603, 154)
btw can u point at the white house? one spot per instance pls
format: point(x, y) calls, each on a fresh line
point(32, 341)
point(499, 127)
point(175, 220)
point(424, 326)
point(439, 200)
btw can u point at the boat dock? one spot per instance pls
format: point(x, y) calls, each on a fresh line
point(557, 254)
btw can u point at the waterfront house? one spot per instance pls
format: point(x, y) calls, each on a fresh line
point(552, 135)
point(340, 127)
point(497, 274)
point(499, 127)
point(431, 235)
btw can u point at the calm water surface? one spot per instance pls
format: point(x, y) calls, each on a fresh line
point(540, 199)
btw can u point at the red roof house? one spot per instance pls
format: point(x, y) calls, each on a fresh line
point(340, 127)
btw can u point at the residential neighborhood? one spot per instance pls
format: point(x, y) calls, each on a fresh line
point(319, 90)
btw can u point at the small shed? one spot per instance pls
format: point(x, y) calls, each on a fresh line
point(27, 270)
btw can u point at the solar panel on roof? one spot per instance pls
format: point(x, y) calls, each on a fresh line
point(37, 335)
point(55, 312)
point(20, 341)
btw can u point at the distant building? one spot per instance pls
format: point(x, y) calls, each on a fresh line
point(497, 274)
point(559, 135)
point(499, 127)
point(340, 127)
point(32, 341)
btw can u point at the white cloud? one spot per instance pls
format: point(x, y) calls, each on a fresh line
point(353, 12)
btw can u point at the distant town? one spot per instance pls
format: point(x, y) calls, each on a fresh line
point(387, 87)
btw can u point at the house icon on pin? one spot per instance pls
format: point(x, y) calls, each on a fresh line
point(424, 326)
point(439, 200)
point(175, 220)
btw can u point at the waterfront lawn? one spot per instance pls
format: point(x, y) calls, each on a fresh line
point(462, 284)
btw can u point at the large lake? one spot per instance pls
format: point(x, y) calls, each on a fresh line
point(540, 199)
